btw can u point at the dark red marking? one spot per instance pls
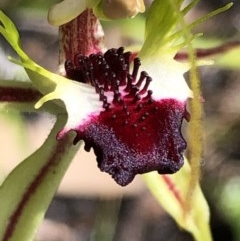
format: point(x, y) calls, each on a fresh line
point(32, 188)
point(135, 133)
point(173, 188)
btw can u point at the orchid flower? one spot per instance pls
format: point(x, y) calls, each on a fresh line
point(128, 107)
point(131, 118)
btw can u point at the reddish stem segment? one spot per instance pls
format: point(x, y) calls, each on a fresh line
point(82, 35)
point(203, 53)
point(16, 94)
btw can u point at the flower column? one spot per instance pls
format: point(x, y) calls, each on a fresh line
point(82, 35)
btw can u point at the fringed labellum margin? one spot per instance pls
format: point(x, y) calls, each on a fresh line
point(134, 133)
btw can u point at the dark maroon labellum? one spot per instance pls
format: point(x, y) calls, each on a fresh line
point(134, 133)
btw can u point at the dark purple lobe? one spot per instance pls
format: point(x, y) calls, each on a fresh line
point(134, 134)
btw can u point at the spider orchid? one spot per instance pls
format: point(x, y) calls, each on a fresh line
point(131, 117)
point(128, 107)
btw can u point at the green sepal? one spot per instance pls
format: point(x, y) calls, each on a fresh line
point(161, 23)
point(27, 191)
point(164, 34)
point(44, 80)
point(171, 190)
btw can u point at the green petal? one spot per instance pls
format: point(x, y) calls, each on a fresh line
point(42, 79)
point(164, 33)
point(29, 188)
point(171, 191)
point(161, 23)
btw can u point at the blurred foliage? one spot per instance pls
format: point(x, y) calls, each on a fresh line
point(229, 201)
point(225, 195)
point(38, 4)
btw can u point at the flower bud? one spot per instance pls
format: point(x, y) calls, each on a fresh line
point(115, 9)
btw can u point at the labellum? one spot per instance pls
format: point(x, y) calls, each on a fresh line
point(134, 133)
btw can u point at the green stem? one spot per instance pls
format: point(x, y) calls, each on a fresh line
point(195, 130)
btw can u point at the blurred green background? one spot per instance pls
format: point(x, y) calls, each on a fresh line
point(100, 215)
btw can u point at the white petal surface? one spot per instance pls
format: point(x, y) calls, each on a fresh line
point(80, 100)
point(168, 80)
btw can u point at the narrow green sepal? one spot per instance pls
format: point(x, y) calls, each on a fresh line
point(23, 206)
point(171, 190)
